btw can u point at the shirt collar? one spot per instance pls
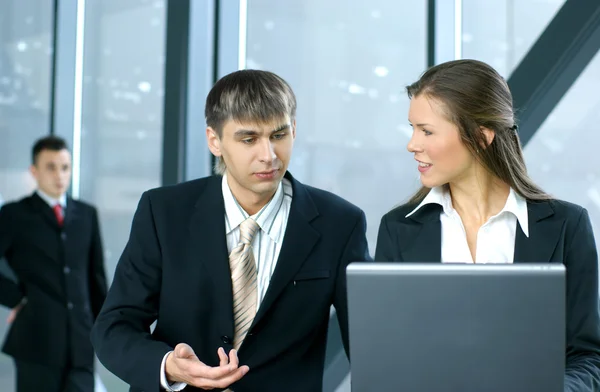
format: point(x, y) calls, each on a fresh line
point(62, 200)
point(437, 195)
point(515, 204)
point(235, 214)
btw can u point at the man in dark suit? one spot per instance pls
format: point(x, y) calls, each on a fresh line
point(247, 263)
point(53, 245)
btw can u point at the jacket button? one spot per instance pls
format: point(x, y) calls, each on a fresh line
point(225, 339)
point(70, 305)
point(66, 270)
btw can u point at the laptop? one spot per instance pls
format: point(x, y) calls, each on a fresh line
point(456, 327)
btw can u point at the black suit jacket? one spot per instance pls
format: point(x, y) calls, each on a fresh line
point(61, 273)
point(175, 270)
point(559, 232)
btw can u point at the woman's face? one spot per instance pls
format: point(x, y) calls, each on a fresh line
point(436, 144)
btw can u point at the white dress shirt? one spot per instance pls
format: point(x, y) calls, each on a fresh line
point(495, 238)
point(266, 244)
point(62, 200)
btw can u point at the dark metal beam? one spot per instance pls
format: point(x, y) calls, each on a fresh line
point(216, 57)
point(53, 63)
point(554, 63)
point(176, 89)
point(431, 33)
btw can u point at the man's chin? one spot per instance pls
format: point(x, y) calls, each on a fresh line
point(269, 186)
point(58, 192)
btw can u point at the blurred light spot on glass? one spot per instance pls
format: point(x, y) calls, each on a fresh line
point(381, 71)
point(144, 87)
point(356, 89)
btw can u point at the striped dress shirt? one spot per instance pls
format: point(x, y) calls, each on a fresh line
point(266, 245)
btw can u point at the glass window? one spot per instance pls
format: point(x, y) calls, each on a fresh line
point(563, 155)
point(122, 117)
point(515, 28)
point(25, 78)
point(348, 63)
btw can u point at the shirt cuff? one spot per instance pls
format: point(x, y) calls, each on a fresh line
point(178, 386)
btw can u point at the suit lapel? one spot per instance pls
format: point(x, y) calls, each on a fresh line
point(44, 210)
point(41, 236)
point(71, 214)
point(544, 233)
point(299, 239)
point(424, 239)
point(208, 242)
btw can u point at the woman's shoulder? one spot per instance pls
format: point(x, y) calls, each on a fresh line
point(409, 212)
point(559, 208)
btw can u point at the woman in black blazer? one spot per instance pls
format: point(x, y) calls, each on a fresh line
point(478, 204)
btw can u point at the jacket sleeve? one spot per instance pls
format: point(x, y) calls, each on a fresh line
point(96, 269)
point(387, 247)
point(583, 324)
point(11, 293)
point(121, 334)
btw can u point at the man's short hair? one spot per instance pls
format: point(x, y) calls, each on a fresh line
point(249, 96)
point(52, 143)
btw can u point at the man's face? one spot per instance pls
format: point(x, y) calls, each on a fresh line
point(256, 155)
point(52, 172)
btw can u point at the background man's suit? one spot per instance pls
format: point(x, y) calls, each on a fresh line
point(175, 269)
point(60, 271)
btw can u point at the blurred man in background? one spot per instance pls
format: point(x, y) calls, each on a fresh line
point(53, 245)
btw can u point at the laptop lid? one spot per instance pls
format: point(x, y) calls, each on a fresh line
point(456, 327)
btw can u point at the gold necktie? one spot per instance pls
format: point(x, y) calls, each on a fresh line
point(244, 281)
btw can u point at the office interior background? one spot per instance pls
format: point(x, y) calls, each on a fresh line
point(124, 82)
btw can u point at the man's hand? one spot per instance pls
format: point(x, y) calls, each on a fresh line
point(184, 366)
point(13, 313)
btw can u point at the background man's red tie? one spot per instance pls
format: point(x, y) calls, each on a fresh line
point(58, 211)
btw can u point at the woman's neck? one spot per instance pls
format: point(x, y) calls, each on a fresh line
point(479, 197)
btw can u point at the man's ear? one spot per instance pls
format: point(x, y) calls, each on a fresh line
point(33, 170)
point(213, 141)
